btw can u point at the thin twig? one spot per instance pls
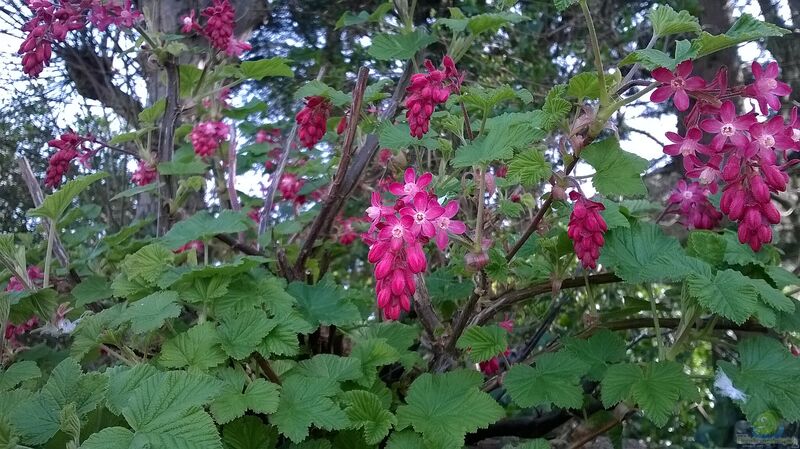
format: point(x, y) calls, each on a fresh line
point(266, 368)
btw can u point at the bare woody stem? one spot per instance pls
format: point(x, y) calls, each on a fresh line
point(598, 61)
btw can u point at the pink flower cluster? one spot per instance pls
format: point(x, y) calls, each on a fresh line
point(206, 137)
point(426, 90)
point(694, 205)
point(70, 146)
point(491, 367)
point(586, 227)
point(313, 120)
point(144, 174)
point(347, 233)
point(220, 22)
point(746, 156)
point(397, 234)
point(34, 274)
point(290, 186)
point(52, 21)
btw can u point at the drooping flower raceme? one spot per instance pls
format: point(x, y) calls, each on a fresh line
point(206, 137)
point(586, 228)
point(425, 91)
point(748, 157)
point(397, 235)
point(144, 174)
point(312, 120)
point(220, 22)
point(70, 145)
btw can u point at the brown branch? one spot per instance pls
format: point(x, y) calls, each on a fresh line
point(507, 299)
point(266, 368)
point(246, 249)
point(166, 137)
point(422, 302)
point(336, 195)
point(620, 413)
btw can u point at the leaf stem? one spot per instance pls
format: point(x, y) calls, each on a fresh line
point(656, 324)
point(477, 244)
point(48, 257)
point(598, 61)
point(632, 72)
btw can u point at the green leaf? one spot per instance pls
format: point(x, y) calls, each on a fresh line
point(133, 191)
point(282, 339)
point(666, 21)
point(57, 202)
point(746, 28)
point(728, 293)
point(198, 347)
point(652, 58)
point(492, 22)
point(323, 304)
point(530, 166)
point(617, 172)
point(109, 438)
point(768, 374)
point(188, 76)
point(150, 312)
point(486, 99)
point(436, 405)
point(318, 88)
point(305, 402)
point(350, 19)
point(612, 215)
point(248, 432)
point(587, 85)
point(656, 388)
point(598, 351)
point(483, 342)
point(398, 137)
point(241, 334)
point(366, 411)
point(149, 115)
point(555, 107)
point(374, 353)
point(498, 144)
point(260, 396)
point(564, 4)
point(262, 68)
point(642, 253)
point(243, 112)
point(148, 263)
point(740, 254)
point(203, 226)
point(17, 373)
point(330, 366)
point(165, 411)
point(782, 278)
point(387, 47)
point(555, 379)
point(772, 296)
point(706, 245)
point(123, 381)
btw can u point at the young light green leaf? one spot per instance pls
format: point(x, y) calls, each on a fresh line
point(366, 412)
point(149, 115)
point(150, 312)
point(651, 58)
point(398, 137)
point(318, 88)
point(305, 402)
point(262, 68)
point(561, 5)
point(746, 28)
point(260, 396)
point(554, 380)
point(435, 406)
point(530, 167)
point(57, 202)
point(729, 293)
point(617, 172)
point(555, 107)
point(198, 348)
point(612, 215)
point(498, 144)
point(483, 342)
point(706, 245)
point(666, 21)
point(387, 47)
point(148, 263)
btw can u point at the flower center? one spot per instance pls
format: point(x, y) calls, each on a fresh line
point(397, 232)
point(419, 217)
point(795, 134)
point(771, 83)
point(727, 129)
point(767, 141)
point(708, 175)
point(687, 194)
point(444, 223)
point(409, 188)
point(677, 83)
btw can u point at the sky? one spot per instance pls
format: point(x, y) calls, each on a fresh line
point(637, 143)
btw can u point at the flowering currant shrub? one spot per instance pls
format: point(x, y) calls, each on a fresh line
point(412, 260)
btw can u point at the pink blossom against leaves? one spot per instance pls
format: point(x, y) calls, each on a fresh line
point(220, 20)
point(445, 225)
point(728, 127)
point(145, 174)
point(425, 91)
point(411, 186)
point(676, 84)
point(694, 206)
point(766, 88)
point(312, 120)
point(586, 228)
point(68, 145)
point(767, 137)
point(206, 137)
point(424, 210)
point(35, 275)
point(189, 23)
point(686, 145)
point(290, 185)
point(120, 13)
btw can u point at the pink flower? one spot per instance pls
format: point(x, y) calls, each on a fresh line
point(49, 24)
point(425, 91)
point(290, 186)
point(728, 127)
point(376, 211)
point(685, 146)
point(313, 120)
point(35, 275)
point(145, 174)
point(237, 48)
point(207, 137)
point(695, 207)
point(347, 234)
point(397, 231)
point(412, 185)
point(68, 145)
point(766, 88)
point(768, 137)
point(586, 227)
point(445, 224)
point(109, 12)
point(189, 23)
point(424, 210)
point(219, 26)
point(676, 84)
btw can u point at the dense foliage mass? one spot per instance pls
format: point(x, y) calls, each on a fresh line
point(386, 287)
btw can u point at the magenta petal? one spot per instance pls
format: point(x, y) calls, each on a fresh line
point(674, 137)
point(727, 111)
point(694, 134)
point(451, 209)
point(661, 94)
point(428, 230)
point(695, 83)
point(681, 100)
point(684, 69)
point(397, 189)
point(782, 89)
point(772, 70)
point(434, 212)
point(424, 180)
point(673, 149)
point(409, 175)
point(457, 227)
point(756, 68)
point(421, 201)
point(740, 140)
point(441, 239)
point(662, 74)
point(718, 141)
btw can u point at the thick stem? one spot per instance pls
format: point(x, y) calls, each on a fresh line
point(266, 368)
point(48, 257)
